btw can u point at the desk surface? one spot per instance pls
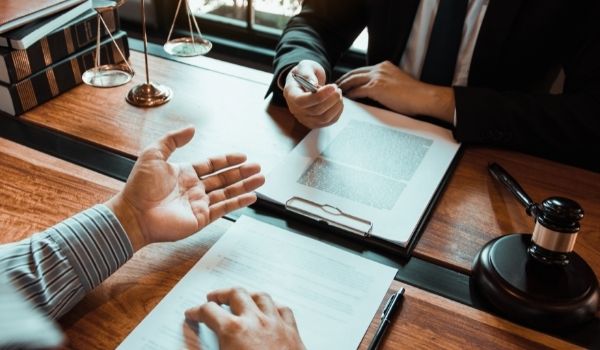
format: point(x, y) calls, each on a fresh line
point(230, 114)
point(42, 190)
point(38, 191)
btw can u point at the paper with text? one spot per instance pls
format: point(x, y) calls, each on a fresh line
point(334, 294)
point(373, 164)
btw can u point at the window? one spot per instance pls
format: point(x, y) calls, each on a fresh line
point(243, 31)
point(266, 16)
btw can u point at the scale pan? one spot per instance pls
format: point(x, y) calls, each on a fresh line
point(186, 47)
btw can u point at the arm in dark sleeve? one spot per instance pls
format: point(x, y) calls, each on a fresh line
point(563, 127)
point(321, 32)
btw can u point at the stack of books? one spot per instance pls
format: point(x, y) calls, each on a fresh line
point(46, 45)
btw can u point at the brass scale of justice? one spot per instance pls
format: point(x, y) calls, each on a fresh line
point(147, 94)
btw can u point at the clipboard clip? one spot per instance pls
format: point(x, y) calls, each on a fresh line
point(330, 214)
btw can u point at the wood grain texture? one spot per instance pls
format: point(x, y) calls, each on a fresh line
point(38, 190)
point(428, 321)
point(475, 208)
point(231, 115)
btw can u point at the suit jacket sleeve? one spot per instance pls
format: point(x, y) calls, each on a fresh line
point(564, 127)
point(321, 32)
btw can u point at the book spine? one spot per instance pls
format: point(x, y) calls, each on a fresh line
point(63, 76)
point(56, 46)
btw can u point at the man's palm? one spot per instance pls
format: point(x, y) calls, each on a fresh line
point(172, 201)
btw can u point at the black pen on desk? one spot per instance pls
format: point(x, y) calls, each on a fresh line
point(386, 318)
point(305, 83)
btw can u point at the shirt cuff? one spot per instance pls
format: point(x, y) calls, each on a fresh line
point(454, 120)
point(95, 243)
point(282, 76)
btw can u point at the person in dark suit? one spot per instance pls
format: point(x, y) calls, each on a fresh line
point(483, 67)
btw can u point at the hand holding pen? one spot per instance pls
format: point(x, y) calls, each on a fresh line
point(314, 103)
point(306, 84)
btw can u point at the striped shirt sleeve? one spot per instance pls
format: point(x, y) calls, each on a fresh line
point(55, 268)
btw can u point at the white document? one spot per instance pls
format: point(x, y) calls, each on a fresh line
point(333, 294)
point(374, 172)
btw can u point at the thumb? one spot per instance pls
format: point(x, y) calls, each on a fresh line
point(173, 140)
point(312, 71)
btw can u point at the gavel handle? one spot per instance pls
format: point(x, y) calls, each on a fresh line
point(513, 186)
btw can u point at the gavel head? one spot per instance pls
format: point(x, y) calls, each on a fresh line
point(555, 231)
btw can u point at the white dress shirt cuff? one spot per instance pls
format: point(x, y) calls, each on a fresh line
point(454, 119)
point(283, 75)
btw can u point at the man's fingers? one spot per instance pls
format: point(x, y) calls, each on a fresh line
point(213, 164)
point(227, 206)
point(238, 299)
point(230, 176)
point(328, 118)
point(332, 115)
point(353, 81)
point(167, 144)
point(237, 189)
point(320, 109)
point(360, 70)
point(287, 315)
point(359, 92)
point(306, 100)
point(265, 303)
point(211, 314)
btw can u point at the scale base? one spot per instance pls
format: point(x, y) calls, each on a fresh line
point(533, 293)
point(149, 95)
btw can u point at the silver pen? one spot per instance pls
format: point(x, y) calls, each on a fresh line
point(305, 83)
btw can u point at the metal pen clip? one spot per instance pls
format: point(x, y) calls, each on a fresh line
point(393, 300)
point(388, 305)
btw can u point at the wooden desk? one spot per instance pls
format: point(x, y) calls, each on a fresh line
point(226, 104)
point(40, 190)
point(230, 114)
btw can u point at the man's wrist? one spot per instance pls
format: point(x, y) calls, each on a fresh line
point(439, 103)
point(126, 215)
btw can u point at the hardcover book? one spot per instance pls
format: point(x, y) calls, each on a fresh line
point(20, 97)
point(16, 65)
point(15, 13)
point(25, 36)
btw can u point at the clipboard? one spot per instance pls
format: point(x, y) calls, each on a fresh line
point(352, 227)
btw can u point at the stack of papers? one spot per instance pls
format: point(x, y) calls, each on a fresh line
point(334, 294)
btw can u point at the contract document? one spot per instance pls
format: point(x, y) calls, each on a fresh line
point(374, 172)
point(334, 294)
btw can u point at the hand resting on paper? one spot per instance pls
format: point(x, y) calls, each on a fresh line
point(163, 201)
point(398, 91)
point(255, 321)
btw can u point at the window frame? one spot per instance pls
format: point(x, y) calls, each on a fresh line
point(234, 40)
